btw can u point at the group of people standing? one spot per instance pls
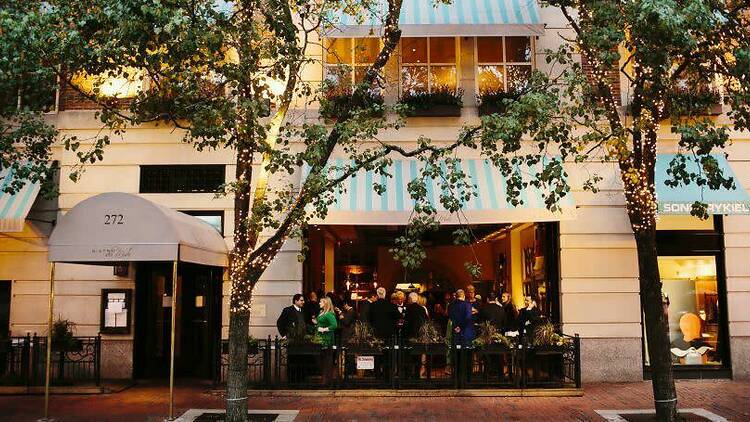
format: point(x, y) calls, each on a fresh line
point(402, 315)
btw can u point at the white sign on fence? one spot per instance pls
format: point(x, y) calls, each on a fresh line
point(365, 362)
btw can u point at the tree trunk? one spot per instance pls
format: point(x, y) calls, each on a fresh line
point(657, 325)
point(239, 323)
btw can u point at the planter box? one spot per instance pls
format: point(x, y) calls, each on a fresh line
point(305, 349)
point(428, 349)
point(548, 350)
point(363, 351)
point(437, 110)
point(493, 349)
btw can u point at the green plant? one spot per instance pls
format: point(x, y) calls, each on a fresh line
point(488, 334)
point(498, 99)
point(544, 334)
point(364, 336)
point(62, 334)
point(428, 334)
point(438, 96)
point(337, 101)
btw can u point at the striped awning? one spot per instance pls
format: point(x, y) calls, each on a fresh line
point(422, 18)
point(359, 203)
point(15, 207)
point(679, 200)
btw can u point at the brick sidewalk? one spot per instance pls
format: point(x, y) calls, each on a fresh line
point(729, 399)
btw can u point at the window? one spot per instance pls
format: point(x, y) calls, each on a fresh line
point(347, 60)
point(428, 65)
point(181, 178)
point(213, 218)
point(503, 63)
point(692, 298)
point(691, 265)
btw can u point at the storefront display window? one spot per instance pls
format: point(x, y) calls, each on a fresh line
point(691, 295)
point(691, 260)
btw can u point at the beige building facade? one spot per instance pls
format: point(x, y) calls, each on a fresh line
point(597, 292)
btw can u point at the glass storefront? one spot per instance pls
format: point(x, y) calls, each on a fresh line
point(692, 298)
point(691, 266)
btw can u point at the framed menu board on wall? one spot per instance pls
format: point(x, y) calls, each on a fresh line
point(115, 312)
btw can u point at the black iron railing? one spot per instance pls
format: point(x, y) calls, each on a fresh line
point(273, 364)
point(23, 361)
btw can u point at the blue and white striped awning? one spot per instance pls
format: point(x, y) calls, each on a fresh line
point(15, 207)
point(360, 204)
point(422, 18)
point(679, 200)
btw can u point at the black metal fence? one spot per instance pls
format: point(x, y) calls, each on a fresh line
point(23, 361)
point(273, 364)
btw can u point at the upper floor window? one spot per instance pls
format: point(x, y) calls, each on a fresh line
point(428, 64)
point(503, 63)
point(347, 60)
point(182, 178)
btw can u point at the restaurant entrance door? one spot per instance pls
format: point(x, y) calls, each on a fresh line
point(198, 322)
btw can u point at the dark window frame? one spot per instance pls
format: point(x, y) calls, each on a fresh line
point(698, 243)
point(182, 178)
point(207, 213)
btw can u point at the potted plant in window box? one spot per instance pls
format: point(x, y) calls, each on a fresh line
point(337, 101)
point(62, 337)
point(441, 102)
point(702, 100)
point(495, 101)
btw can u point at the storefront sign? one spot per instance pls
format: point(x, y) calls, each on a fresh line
point(365, 362)
point(683, 208)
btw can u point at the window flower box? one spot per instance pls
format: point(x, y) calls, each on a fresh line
point(438, 103)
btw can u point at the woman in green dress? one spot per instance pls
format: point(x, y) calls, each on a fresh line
point(326, 327)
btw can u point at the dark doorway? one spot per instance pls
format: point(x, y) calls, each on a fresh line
point(198, 325)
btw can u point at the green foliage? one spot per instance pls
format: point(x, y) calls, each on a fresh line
point(438, 96)
point(488, 334)
point(497, 98)
point(335, 103)
point(363, 336)
point(62, 334)
point(544, 335)
point(428, 334)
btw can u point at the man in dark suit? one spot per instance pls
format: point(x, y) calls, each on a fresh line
point(415, 316)
point(493, 312)
point(292, 318)
point(383, 316)
point(364, 306)
point(511, 313)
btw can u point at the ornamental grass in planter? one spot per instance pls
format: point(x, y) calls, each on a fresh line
point(429, 340)
point(544, 337)
point(441, 102)
point(364, 341)
point(336, 103)
point(495, 101)
point(299, 342)
point(490, 339)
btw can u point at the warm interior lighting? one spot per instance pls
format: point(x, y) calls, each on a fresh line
point(125, 85)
